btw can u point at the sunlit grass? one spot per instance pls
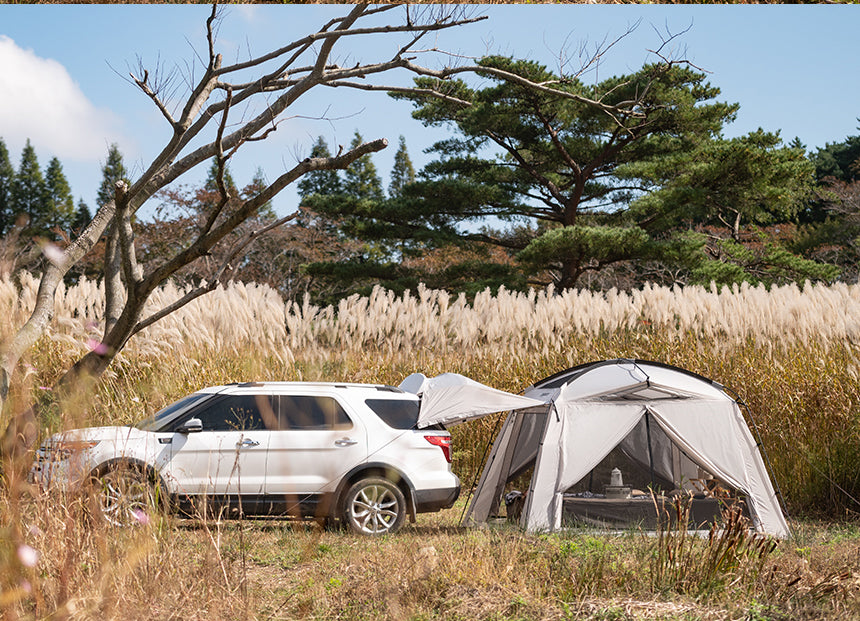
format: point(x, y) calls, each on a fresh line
point(790, 353)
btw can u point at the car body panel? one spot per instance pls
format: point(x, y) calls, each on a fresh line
point(217, 462)
point(290, 470)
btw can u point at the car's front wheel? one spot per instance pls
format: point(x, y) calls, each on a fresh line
point(374, 506)
point(126, 496)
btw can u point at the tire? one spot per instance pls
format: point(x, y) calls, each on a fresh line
point(374, 507)
point(126, 496)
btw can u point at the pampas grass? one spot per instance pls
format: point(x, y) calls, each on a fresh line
point(791, 352)
point(242, 316)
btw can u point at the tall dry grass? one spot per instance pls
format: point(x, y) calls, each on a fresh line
point(790, 352)
point(62, 565)
point(243, 316)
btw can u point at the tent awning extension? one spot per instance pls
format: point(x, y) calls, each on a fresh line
point(451, 398)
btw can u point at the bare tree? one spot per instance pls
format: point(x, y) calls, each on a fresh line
point(282, 77)
point(279, 79)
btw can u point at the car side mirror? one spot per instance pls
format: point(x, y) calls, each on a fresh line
point(192, 425)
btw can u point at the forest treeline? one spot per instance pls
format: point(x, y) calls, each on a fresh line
point(528, 189)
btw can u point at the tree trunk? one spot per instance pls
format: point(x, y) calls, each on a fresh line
point(570, 273)
point(114, 289)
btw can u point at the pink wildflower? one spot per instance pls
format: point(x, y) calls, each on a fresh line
point(27, 555)
point(141, 516)
point(53, 253)
point(97, 347)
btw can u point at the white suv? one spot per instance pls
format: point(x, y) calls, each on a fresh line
point(346, 452)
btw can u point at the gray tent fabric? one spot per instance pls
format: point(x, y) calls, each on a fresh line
point(669, 462)
point(693, 424)
point(451, 398)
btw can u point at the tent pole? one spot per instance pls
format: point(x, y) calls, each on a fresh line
point(650, 452)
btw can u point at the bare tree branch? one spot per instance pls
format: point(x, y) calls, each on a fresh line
point(197, 292)
point(189, 121)
point(143, 83)
point(204, 242)
point(130, 267)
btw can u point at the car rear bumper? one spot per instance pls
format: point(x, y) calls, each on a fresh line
point(429, 500)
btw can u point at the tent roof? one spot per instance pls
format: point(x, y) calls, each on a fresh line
point(626, 379)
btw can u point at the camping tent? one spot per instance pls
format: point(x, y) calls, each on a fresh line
point(679, 428)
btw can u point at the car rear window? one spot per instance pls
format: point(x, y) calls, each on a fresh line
point(307, 412)
point(396, 413)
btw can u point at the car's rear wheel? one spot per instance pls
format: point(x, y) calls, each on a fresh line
point(126, 496)
point(374, 506)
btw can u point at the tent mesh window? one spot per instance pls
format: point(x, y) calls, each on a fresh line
point(617, 492)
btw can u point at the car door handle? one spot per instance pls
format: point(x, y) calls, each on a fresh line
point(248, 442)
point(345, 442)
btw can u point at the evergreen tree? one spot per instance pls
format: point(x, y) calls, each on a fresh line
point(734, 189)
point(58, 196)
point(257, 185)
point(839, 160)
point(7, 178)
point(403, 172)
point(797, 144)
point(211, 184)
point(322, 182)
point(556, 162)
point(82, 217)
point(362, 182)
point(28, 192)
point(567, 173)
point(751, 179)
point(112, 171)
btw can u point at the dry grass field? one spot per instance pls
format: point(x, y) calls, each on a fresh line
point(791, 353)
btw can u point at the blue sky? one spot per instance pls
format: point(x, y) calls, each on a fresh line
point(63, 73)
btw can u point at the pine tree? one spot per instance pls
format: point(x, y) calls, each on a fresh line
point(798, 145)
point(113, 171)
point(403, 172)
point(28, 192)
point(838, 160)
point(257, 185)
point(58, 198)
point(82, 216)
point(322, 182)
point(546, 159)
point(362, 181)
point(211, 184)
point(7, 178)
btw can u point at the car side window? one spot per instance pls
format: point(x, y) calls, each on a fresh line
point(306, 412)
point(238, 413)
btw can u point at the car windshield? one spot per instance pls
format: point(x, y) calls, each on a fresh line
point(165, 415)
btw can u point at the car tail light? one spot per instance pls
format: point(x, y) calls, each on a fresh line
point(443, 442)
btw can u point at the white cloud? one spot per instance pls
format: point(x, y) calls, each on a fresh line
point(39, 100)
point(247, 12)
